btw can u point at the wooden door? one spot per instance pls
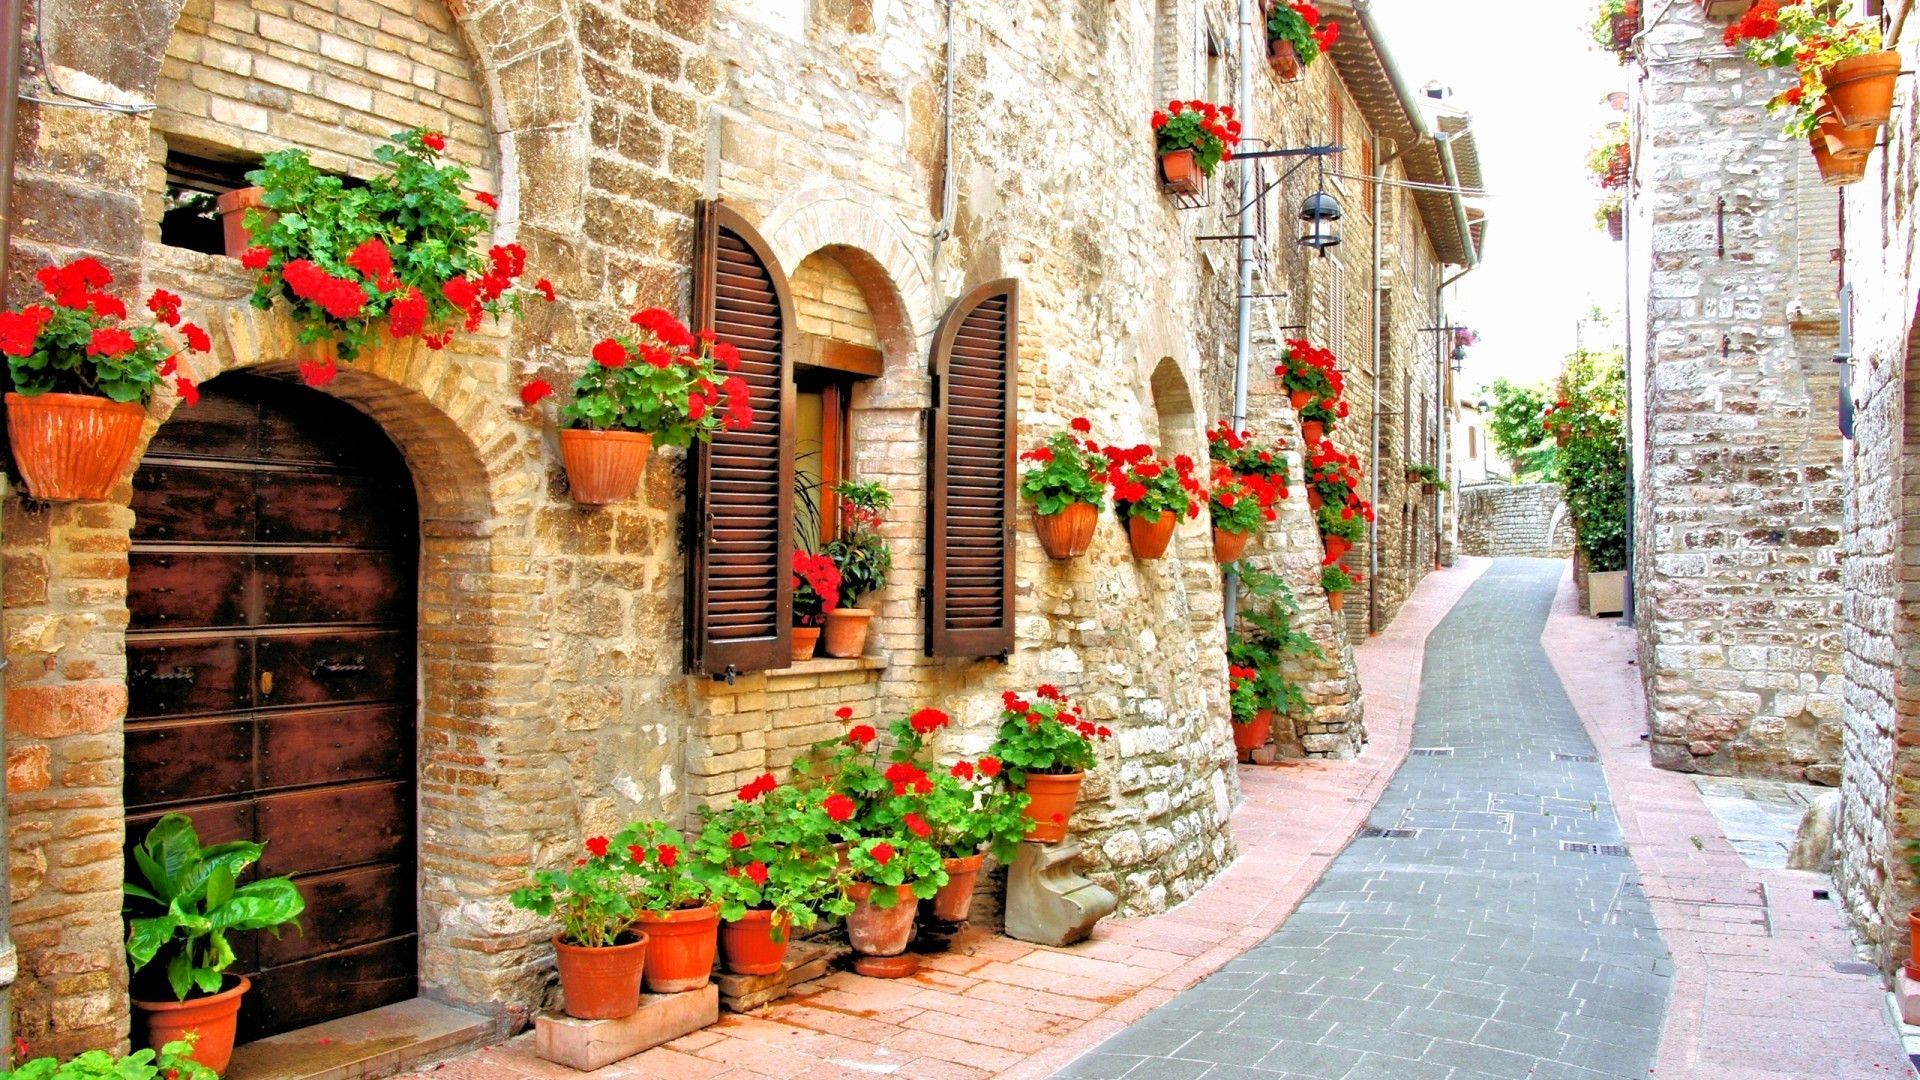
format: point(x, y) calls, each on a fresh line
point(270, 678)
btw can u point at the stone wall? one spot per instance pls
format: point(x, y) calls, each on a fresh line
point(1738, 487)
point(1515, 521)
point(553, 700)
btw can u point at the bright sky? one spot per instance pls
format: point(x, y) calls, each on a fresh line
point(1534, 84)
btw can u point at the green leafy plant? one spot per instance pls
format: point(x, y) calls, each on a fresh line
point(197, 901)
point(1209, 130)
point(1326, 411)
point(594, 898)
point(77, 342)
point(1611, 204)
point(660, 379)
point(1810, 36)
point(1302, 26)
point(771, 850)
point(1265, 641)
point(1067, 470)
point(968, 808)
point(403, 248)
point(1427, 475)
point(1611, 161)
point(1342, 521)
point(1593, 463)
point(862, 555)
point(1604, 15)
point(1240, 504)
point(1336, 578)
point(174, 1061)
point(1335, 477)
point(1237, 451)
point(1308, 369)
point(879, 812)
point(663, 874)
point(1513, 424)
point(1044, 734)
point(1145, 485)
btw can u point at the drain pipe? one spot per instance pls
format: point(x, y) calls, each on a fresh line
point(1243, 301)
point(10, 88)
point(1380, 163)
point(943, 229)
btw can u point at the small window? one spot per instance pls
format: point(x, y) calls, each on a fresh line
point(822, 454)
point(188, 219)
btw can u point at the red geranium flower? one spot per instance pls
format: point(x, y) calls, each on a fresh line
point(917, 825)
point(597, 846)
point(862, 735)
point(197, 339)
point(757, 871)
point(844, 712)
point(962, 770)
point(609, 353)
point(738, 840)
point(535, 392)
point(434, 141)
point(188, 392)
point(545, 288)
point(669, 855)
point(637, 853)
point(1081, 424)
point(882, 853)
point(165, 307)
point(989, 766)
point(838, 807)
point(256, 258)
point(486, 199)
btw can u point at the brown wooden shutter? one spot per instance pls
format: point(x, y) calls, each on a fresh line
point(970, 480)
point(740, 486)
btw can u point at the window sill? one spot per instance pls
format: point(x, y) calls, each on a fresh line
point(829, 665)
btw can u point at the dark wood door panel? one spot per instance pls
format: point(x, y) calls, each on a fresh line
point(329, 746)
point(332, 827)
point(329, 986)
point(323, 668)
point(328, 508)
point(181, 504)
point(222, 426)
point(346, 910)
point(188, 676)
point(331, 587)
point(169, 590)
point(175, 761)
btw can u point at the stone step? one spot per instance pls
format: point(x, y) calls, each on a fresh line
point(364, 1046)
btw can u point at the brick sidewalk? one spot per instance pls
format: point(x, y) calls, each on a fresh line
point(1755, 990)
point(994, 1006)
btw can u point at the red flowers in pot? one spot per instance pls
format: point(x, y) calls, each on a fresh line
point(774, 869)
point(1046, 747)
point(1152, 495)
point(1296, 36)
point(816, 591)
point(1238, 506)
point(1066, 481)
point(82, 375)
point(1192, 139)
point(1333, 482)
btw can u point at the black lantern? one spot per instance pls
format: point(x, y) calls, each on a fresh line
point(1322, 217)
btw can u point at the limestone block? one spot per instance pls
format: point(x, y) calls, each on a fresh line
point(1047, 902)
point(591, 1044)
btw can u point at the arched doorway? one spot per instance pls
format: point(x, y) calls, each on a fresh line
point(270, 678)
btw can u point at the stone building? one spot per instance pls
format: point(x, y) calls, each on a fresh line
point(518, 675)
point(1738, 492)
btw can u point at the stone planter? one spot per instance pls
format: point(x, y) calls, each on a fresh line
point(72, 447)
point(214, 1017)
point(600, 983)
point(1606, 592)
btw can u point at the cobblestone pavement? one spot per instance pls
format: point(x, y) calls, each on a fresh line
point(1497, 929)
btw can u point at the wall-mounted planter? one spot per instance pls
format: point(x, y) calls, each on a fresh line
point(1149, 536)
point(1067, 534)
point(1835, 171)
point(1312, 431)
point(1842, 142)
point(603, 466)
point(1284, 59)
point(1229, 546)
point(232, 206)
point(72, 447)
point(1336, 602)
point(1617, 224)
point(1860, 88)
point(1181, 172)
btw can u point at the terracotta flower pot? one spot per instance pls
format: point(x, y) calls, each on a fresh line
point(1149, 536)
point(602, 983)
point(1229, 546)
point(749, 946)
point(805, 640)
point(1283, 58)
point(1913, 944)
point(72, 447)
point(878, 931)
point(1312, 431)
point(1336, 602)
point(680, 947)
point(604, 466)
point(1181, 171)
point(1067, 534)
point(846, 631)
point(232, 206)
point(1617, 224)
point(1337, 547)
point(1834, 172)
point(1842, 142)
point(1253, 734)
point(214, 1017)
point(1860, 88)
point(1051, 798)
point(955, 898)
point(1300, 398)
point(1314, 499)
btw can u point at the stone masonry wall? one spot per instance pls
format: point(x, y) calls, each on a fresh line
point(1739, 495)
point(1515, 520)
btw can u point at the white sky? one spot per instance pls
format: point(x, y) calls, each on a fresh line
point(1534, 84)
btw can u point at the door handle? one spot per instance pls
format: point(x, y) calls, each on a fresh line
point(266, 683)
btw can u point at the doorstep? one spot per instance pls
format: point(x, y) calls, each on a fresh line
point(376, 1043)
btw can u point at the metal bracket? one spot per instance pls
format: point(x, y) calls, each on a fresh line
point(728, 676)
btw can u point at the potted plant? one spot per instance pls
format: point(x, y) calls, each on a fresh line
point(864, 560)
point(1333, 478)
point(403, 250)
point(1151, 495)
point(1193, 138)
point(174, 1061)
point(673, 903)
point(1308, 373)
point(1338, 581)
point(1556, 420)
point(1046, 747)
point(1840, 62)
point(1248, 708)
point(1341, 527)
point(82, 375)
point(656, 384)
point(1237, 451)
point(1296, 36)
point(1611, 215)
point(1262, 642)
point(597, 950)
point(179, 921)
point(969, 813)
point(773, 869)
point(1427, 477)
point(1066, 481)
point(1616, 23)
point(1237, 510)
point(1611, 159)
point(816, 591)
point(1318, 417)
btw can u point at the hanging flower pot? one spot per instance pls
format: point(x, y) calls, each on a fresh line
point(1253, 734)
point(680, 947)
point(1616, 224)
point(600, 984)
point(603, 466)
point(213, 1018)
point(955, 898)
point(1228, 547)
point(1843, 143)
point(749, 944)
point(1314, 499)
point(1181, 173)
point(1336, 548)
point(1622, 27)
point(805, 640)
point(72, 447)
point(232, 206)
point(1067, 534)
point(1860, 88)
point(1336, 601)
point(1834, 172)
point(846, 631)
point(1150, 535)
point(1051, 799)
point(1300, 398)
point(1283, 58)
point(876, 931)
point(1313, 431)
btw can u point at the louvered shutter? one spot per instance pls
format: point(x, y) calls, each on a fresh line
point(970, 482)
point(740, 486)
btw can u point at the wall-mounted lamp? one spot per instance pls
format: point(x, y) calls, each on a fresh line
point(1322, 217)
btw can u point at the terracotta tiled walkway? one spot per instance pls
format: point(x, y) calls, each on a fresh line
point(998, 1007)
